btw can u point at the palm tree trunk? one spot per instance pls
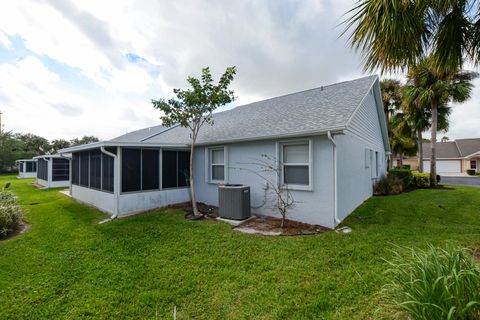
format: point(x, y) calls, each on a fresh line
point(420, 150)
point(401, 160)
point(192, 186)
point(433, 143)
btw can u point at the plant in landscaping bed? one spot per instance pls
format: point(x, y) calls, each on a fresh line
point(10, 213)
point(420, 180)
point(470, 172)
point(405, 175)
point(435, 283)
point(388, 185)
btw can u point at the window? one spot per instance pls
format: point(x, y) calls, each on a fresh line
point(217, 164)
point(21, 167)
point(150, 169)
point(75, 168)
point(473, 164)
point(42, 172)
point(84, 168)
point(377, 162)
point(131, 169)
point(95, 169)
point(60, 169)
point(31, 166)
point(295, 161)
point(175, 168)
point(107, 172)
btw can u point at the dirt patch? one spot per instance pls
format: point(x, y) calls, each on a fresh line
point(24, 227)
point(272, 226)
point(207, 212)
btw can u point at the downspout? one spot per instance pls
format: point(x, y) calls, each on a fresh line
point(115, 187)
point(335, 202)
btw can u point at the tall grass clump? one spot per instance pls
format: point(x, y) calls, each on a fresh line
point(11, 214)
point(435, 283)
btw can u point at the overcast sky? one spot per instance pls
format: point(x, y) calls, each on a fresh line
point(90, 67)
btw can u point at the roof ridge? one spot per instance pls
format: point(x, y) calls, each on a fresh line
point(458, 148)
point(301, 91)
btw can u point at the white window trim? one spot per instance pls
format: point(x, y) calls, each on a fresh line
point(208, 165)
point(299, 187)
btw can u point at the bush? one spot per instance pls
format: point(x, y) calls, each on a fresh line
point(10, 213)
point(435, 284)
point(388, 185)
point(407, 166)
point(420, 180)
point(405, 175)
point(470, 172)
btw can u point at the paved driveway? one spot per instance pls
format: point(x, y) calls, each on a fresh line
point(462, 181)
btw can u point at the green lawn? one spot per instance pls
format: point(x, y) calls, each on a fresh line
point(67, 266)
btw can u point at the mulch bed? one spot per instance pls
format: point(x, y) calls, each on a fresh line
point(208, 212)
point(272, 226)
point(22, 229)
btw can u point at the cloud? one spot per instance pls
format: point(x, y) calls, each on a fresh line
point(126, 54)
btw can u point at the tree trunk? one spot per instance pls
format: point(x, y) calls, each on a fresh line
point(433, 142)
point(420, 150)
point(192, 187)
point(401, 160)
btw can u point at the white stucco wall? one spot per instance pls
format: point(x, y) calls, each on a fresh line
point(104, 201)
point(146, 200)
point(25, 175)
point(315, 207)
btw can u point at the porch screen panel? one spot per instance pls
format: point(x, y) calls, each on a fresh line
point(42, 172)
point(21, 167)
point(60, 170)
point(75, 168)
point(31, 166)
point(131, 175)
point(107, 173)
point(95, 169)
point(183, 168)
point(169, 169)
point(84, 164)
point(150, 169)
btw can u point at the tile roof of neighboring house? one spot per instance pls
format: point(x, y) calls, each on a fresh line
point(453, 149)
point(307, 112)
point(314, 110)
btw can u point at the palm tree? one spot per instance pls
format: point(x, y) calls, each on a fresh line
point(392, 99)
point(402, 136)
point(431, 89)
point(394, 34)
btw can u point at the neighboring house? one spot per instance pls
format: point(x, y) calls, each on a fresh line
point(27, 168)
point(452, 156)
point(53, 171)
point(330, 144)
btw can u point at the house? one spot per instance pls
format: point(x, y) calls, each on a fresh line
point(53, 171)
point(330, 143)
point(452, 156)
point(27, 168)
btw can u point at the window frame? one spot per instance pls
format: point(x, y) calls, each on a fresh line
point(476, 164)
point(209, 164)
point(309, 164)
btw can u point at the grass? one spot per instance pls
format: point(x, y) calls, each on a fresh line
point(69, 267)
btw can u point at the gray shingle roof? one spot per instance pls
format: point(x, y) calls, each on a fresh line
point(444, 150)
point(468, 146)
point(309, 111)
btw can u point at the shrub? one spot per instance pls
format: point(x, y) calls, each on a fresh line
point(405, 175)
point(470, 172)
point(10, 213)
point(435, 284)
point(420, 180)
point(388, 185)
point(406, 166)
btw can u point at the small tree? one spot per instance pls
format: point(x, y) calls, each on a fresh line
point(269, 170)
point(192, 108)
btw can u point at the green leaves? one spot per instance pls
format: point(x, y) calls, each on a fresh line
point(395, 34)
point(193, 107)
